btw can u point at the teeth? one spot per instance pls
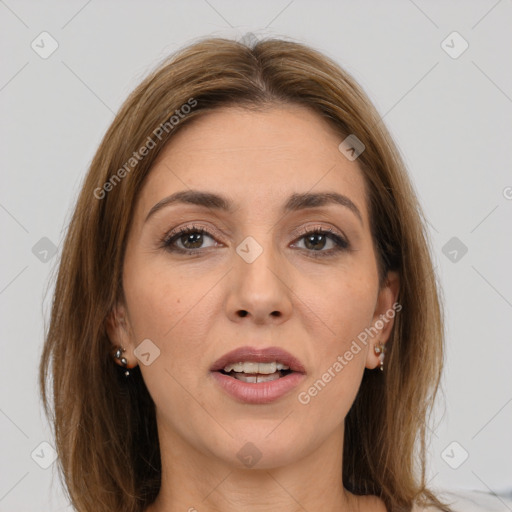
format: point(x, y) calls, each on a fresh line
point(249, 367)
point(253, 379)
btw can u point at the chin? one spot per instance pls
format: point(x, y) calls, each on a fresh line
point(260, 448)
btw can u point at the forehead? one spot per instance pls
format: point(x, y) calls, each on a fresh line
point(257, 157)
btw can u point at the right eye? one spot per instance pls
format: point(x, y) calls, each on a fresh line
point(191, 238)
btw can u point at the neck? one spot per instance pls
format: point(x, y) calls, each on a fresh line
point(195, 481)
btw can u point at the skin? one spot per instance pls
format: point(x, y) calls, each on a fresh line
point(189, 307)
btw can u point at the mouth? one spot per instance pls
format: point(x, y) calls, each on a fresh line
point(273, 361)
point(256, 372)
point(258, 376)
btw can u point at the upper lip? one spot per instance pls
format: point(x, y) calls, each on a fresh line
point(259, 355)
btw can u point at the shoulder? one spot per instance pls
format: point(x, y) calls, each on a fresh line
point(468, 501)
point(417, 508)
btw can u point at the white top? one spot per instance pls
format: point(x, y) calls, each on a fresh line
point(470, 501)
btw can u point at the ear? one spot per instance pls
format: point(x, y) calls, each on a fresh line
point(119, 334)
point(386, 309)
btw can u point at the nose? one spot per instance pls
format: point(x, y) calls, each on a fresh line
point(260, 290)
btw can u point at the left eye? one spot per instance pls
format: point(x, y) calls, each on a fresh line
point(317, 239)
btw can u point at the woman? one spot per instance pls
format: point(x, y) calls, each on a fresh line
point(247, 247)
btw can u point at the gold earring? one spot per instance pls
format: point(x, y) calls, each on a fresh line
point(380, 350)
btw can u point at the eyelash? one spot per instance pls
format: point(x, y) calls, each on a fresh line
point(340, 243)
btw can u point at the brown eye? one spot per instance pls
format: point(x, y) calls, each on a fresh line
point(191, 240)
point(187, 240)
point(315, 242)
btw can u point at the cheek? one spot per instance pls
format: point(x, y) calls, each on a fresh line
point(154, 305)
point(173, 313)
point(341, 308)
point(157, 296)
point(339, 357)
point(345, 306)
point(171, 310)
point(341, 298)
point(357, 304)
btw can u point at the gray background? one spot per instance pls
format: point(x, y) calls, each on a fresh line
point(451, 118)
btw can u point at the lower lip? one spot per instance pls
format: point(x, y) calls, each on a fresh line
point(259, 392)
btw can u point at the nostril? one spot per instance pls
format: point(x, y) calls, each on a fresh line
point(243, 313)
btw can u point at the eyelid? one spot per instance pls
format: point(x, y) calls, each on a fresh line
point(211, 231)
point(319, 227)
point(339, 239)
point(297, 232)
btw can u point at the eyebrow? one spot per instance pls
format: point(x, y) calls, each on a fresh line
point(295, 202)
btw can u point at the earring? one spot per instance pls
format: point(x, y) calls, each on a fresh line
point(118, 354)
point(380, 350)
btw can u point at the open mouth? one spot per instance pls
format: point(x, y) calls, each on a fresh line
point(257, 378)
point(254, 378)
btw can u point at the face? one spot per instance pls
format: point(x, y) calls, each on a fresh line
point(252, 276)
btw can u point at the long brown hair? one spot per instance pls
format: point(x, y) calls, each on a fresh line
point(105, 425)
